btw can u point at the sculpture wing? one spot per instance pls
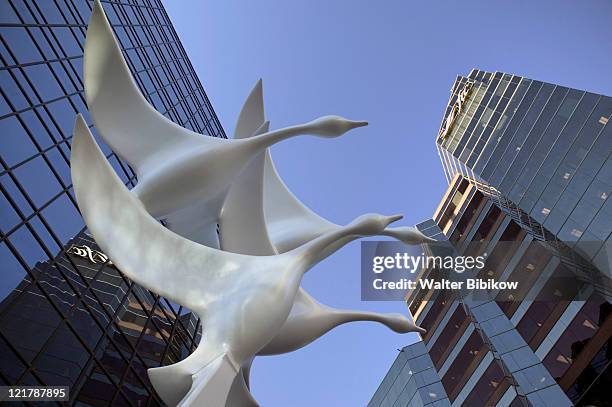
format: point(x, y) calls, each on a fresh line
point(290, 222)
point(149, 254)
point(242, 223)
point(125, 120)
point(252, 115)
point(244, 229)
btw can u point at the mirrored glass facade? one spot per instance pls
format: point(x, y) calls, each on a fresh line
point(67, 319)
point(502, 352)
point(528, 166)
point(542, 150)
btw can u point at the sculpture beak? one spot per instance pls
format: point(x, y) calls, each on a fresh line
point(354, 124)
point(394, 218)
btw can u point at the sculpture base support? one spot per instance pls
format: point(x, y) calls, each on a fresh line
point(170, 383)
point(211, 385)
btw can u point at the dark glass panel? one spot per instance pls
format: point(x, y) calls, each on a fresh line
point(526, 272)
point(469, 215)
point(435, 312)
point(464, 364)
point(584, 325)
point(25, 51)
point(16, 145)
point(492, 381)
point(505, 137)
point(449, 336)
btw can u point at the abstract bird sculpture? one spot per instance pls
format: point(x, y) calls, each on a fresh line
point(242, 300)
point(170, 160)
point(195, 182)
point(258, 206)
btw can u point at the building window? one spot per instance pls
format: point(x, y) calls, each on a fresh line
point(469, 215)
point(526, 272)
point(464, 365)
point(448, 337)
point(502, 253)
point(577, 335)
point(489, 388)
point(488, 225)
point(435, 312)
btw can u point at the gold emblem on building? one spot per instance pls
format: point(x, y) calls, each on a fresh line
point(87, 252)
point(457, 108)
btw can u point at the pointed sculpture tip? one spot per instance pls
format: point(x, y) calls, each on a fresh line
point(79, 136)
point(97, 12)
point(256, 95)
point(79, 123)
point(395, 218)
point(353, 124)
point(81, 128)
point(258, 88)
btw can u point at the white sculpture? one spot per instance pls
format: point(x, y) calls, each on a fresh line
point(177, 167)
point(195, 182)
point(261, 216)
point(242, 300)
point(286, 221)
point(171, 161)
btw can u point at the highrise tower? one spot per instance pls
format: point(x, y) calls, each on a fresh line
point(68, 317)
point(530, 172)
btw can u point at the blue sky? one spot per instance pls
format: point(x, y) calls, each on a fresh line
point(391, 63)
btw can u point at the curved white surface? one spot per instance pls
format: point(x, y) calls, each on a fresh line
point(309, 320)
point(242, 300)
point(291, 223)
point(192, 182)
point(260, 202)
point(251, 116)
point(244, 229)
point(127, 122)
point(171, 161)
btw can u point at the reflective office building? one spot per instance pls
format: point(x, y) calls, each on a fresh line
point(68, 317)
point(543, 151)
point(528, 165)
point(114, 330)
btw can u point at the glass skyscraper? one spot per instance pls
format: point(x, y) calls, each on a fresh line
point(528, 165)
point(68, 317)
point(544, 152)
